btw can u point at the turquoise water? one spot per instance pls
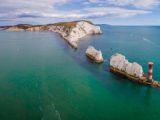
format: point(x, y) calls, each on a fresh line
point(42, 78)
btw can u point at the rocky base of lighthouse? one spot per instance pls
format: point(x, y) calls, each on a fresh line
point(115, 67)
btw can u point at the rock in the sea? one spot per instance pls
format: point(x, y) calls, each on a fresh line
point(94, 54)
point(120, 62)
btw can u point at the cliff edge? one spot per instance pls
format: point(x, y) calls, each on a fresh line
point(72, 32)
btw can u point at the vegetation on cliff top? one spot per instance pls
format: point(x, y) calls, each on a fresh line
point(65, 24)
point(70, 24)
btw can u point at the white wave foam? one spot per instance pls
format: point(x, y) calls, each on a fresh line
point(147, 40)
point(50, 113)
point(58, 115)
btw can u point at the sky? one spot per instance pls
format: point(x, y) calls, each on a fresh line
point(113, 12)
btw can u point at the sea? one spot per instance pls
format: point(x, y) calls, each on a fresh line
point(43, 78)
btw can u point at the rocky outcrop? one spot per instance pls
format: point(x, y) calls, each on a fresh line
point(15, 29)
point(37, 28)
point(70, 31)
point(121, 63)
point(75, 31)
point(133, 71)
point(94, 54)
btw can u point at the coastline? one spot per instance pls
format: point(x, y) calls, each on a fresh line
point(72, 31)
point(130, 77)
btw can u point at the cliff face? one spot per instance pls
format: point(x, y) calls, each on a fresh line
point(75, 31)
point(70, 31)
point(120, 62)
point(14, 28)
point(20, 27)
point(37, 28)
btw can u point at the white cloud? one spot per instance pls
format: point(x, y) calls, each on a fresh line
point(146, 3)
point(143, 4)
point(19, 6)
point(34, 10)
point(43, 8)
point(86, 3)
point(115, 11)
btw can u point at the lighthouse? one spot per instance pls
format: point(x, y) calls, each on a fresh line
point(150, 70)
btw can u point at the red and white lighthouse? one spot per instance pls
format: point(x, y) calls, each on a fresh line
point(150, 71)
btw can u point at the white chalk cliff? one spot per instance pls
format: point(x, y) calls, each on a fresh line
point(94, 54)
point(74, 34)
point(120, 62)
point(70, 31)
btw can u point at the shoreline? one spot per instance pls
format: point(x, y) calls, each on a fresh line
point(128, 77)
point(72, 31)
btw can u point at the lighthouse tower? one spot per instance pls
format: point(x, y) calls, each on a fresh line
point(150, 70)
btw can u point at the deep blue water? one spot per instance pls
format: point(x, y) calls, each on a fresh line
point(42, 78)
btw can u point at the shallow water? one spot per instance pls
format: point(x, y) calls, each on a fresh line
point(42, 78)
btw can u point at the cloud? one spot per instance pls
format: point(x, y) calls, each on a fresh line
point(50, 10)
point(85, 3)
point(29, 8)
point(96, 12)
point(143, 4)
point(114, 12)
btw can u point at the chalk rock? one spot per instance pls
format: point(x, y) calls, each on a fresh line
point(94, 54)
point(120, 62)
point(15, 29)
point(74, 31)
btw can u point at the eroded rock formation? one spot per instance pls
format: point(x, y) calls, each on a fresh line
point(121, 63)
point(94, 54)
